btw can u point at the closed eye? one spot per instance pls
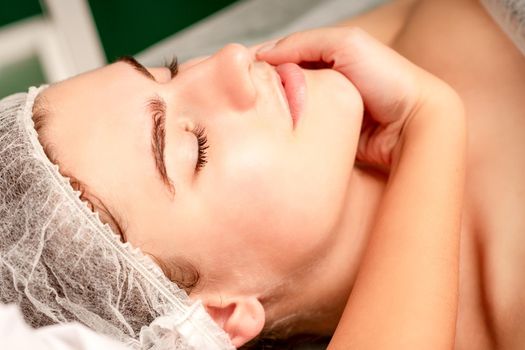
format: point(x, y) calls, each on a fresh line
point(202, 157)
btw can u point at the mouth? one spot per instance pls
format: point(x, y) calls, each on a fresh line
point(294, 85)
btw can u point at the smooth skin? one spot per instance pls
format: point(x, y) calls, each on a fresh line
point(406, 292)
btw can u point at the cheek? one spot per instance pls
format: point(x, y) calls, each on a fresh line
point(265, 196)
point(249, 185)
point(248, 182)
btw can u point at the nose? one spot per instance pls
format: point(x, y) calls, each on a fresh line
point(223, 78)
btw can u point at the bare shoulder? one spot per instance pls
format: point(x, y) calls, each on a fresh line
point(384, 22)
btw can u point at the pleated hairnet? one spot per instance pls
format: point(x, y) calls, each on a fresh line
point(59, 263)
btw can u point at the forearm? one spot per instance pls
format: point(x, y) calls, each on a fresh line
point(405, 295)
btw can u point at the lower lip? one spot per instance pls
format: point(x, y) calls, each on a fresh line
point(292, 78)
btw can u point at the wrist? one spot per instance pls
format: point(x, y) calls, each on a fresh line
point(437, 121)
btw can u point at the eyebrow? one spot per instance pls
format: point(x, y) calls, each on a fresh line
point(136, 65)
point(157, 109)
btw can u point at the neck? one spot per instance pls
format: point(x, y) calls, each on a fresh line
point(329, 283)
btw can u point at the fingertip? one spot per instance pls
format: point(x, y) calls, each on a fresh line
point(265, 48)
point(261, 55)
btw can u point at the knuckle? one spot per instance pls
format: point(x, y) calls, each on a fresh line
point(351, 35)
point(347, 48)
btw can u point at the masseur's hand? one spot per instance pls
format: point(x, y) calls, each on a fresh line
point(393, 89)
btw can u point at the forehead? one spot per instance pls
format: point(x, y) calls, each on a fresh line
point(97, 86)
point(91, 106)
point(99, 129)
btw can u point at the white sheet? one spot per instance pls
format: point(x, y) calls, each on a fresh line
point(16, 334)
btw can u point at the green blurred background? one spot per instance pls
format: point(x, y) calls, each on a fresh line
point(125, 27)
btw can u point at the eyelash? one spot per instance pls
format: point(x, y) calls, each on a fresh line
point(173, 66)
point(202, 139)
point(199, 131)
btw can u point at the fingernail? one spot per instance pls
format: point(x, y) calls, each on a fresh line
point(266, 47)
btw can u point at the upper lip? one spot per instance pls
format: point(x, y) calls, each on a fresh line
point(275, 80)
point(278, 82)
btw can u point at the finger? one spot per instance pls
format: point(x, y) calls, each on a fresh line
point(266, 44)
point(385, 79)
point(308, 46)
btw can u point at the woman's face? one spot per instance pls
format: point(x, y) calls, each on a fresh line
point(267, 200)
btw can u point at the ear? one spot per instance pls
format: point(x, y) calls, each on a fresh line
point(242, 317)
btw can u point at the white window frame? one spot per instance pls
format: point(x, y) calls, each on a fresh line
point(65, 40)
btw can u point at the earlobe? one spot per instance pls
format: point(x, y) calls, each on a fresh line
point(241, 317)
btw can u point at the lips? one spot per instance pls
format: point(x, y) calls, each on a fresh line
point(293, 81)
